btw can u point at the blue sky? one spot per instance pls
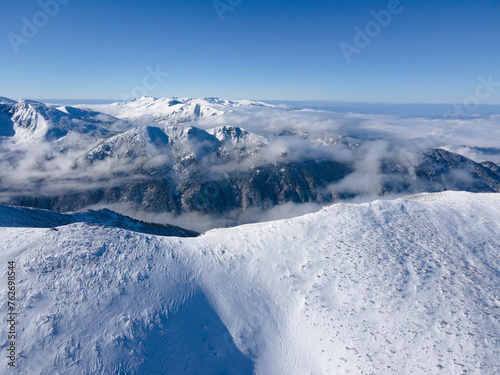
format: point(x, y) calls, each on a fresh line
point(429, 51)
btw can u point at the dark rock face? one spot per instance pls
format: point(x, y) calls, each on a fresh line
point(263, 186)
point(495, 168)
point(440, 170)
point(443, 170)
point(6, 122)
point(273, 184)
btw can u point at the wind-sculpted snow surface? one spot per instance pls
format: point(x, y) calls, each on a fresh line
point(409, 286)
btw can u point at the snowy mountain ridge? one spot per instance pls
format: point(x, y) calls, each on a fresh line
point(29, 121)
point(32, 121)
point(169, 111)
point(11, 216)
point(387, 287)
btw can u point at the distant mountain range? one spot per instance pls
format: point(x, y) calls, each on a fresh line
point(167, 111)
point(161, 155)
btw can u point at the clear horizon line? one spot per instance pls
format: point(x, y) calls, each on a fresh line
point(270, 100)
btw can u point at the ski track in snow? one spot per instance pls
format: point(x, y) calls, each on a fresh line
point(409, 286)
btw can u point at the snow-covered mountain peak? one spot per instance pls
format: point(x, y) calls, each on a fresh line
point(223, 133)
point(31, 102)
point(238, 140)
point(181, 133)
point(144, 99)
point(32, 121)
point(233, 133)
point(163, 111)
point(215, 100)
point(140, 141)
point(168, 111)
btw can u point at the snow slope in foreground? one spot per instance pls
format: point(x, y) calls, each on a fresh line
point(409, 286)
